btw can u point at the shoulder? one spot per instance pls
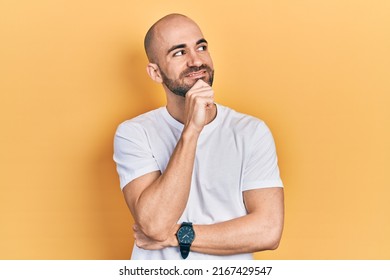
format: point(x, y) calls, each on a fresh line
point(139, 123)
point(241, 122)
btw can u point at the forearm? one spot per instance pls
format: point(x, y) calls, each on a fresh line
point(259, 230)
point(160, 206)
point(242, 235)
point(246, 234)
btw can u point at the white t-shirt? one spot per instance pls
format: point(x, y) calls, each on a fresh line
point(235, 153)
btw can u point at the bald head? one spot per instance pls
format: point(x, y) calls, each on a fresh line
point(157, 31)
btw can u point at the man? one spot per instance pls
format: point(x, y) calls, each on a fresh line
point(200, 179)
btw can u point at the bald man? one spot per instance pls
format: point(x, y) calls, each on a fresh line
point(201, 180)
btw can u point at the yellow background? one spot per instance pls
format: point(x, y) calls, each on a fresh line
point(316, 71)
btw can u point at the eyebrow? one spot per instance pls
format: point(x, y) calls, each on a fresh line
point(182, 46)
point(201, 41)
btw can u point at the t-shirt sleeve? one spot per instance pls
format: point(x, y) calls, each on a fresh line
point(261, 169)
point(132, 153)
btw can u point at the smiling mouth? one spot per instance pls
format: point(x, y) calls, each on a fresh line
point(197, 74)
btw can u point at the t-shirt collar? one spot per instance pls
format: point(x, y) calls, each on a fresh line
point(178, 125)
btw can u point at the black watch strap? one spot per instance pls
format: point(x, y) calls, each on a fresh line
point(184, 250)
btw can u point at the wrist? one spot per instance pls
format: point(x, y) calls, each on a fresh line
point(185, 236)
point(172, 240)
point(190, 134)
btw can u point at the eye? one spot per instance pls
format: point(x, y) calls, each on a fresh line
point(179, 53)
point(202, 48)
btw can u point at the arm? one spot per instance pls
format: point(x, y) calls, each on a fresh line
point(157, 200)
point(259, 230)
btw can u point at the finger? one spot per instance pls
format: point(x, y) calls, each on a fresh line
point(200, 84)
point(203, 99)
point(204, 91)
point(139, 244)
point(199, 100)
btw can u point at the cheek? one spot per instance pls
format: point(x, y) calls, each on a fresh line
point(175, 69)
point(209, 62)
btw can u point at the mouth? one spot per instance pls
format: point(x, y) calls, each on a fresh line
point(197, 74)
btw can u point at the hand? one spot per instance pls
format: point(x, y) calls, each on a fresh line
point(145, 242)
point(199, 101)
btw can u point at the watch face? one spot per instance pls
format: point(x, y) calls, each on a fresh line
point(185, 235)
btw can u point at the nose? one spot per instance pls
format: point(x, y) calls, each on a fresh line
point(194, 59)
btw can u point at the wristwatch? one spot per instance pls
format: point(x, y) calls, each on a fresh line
point(185, 235)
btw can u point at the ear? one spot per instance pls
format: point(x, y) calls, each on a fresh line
point(154, 72)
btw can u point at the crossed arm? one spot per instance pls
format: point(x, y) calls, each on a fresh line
point(157, 200)
point(259, 230)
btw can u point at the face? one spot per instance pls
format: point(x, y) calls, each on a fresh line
point(183, 57)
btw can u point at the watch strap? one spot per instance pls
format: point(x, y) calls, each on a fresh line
point(185, 250)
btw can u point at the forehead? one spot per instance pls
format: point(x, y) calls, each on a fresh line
point(175, 32)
